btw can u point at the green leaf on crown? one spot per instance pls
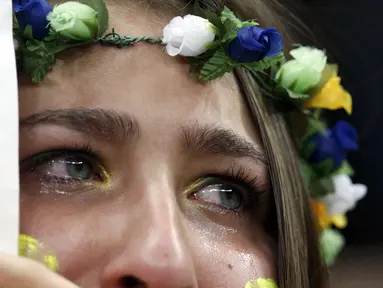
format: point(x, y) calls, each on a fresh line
point(270, 88)
point(36, 59)
point(196, 63)
point(298, 96)
point(102, 14)
point(315, 126)
point(216, 66)
point(307, 172)
point(28, 34)
point(324, 168)
point(266, 63)
point(232, 24)
point(230, 21)
point(317, 186)
point(262, 74)
point(249, 23)
point(228, 36)
point(307, 149)
point(344, 168)
point(321, 187)
point(264, 83)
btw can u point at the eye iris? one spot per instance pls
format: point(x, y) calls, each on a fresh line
point(78, 168)
point(221, 193)
point(230, 197)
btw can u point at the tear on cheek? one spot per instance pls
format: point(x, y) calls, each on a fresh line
point(256, 266)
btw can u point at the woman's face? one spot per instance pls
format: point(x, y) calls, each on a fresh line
point(131, 169)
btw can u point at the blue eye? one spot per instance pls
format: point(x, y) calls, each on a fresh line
point(65, 166)
point(221, 193)
point(74, 167)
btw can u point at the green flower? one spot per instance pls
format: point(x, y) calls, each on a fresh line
point(332, 243)
point(304, 71)
point(75, 21)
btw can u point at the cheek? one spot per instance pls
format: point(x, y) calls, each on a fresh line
point(79, 234)
point(230, 259)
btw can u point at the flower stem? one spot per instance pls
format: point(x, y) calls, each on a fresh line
point(317, 113)
point(124, 41)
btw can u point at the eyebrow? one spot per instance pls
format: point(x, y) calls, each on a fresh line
point(213, 139)
point(109, 124)
point(97, 123)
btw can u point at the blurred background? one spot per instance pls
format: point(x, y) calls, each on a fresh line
point(352, 33)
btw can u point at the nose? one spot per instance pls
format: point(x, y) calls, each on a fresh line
point(155, 253)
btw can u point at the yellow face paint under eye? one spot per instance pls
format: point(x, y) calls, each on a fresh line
point(261, 283)
point(30, 247)
point(106, 178)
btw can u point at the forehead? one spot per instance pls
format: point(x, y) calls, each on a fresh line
point(141, 80)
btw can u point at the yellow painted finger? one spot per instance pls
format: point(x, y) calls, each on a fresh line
point(261, 283)
point(30, 247)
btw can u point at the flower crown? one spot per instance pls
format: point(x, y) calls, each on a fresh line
point(215, 45)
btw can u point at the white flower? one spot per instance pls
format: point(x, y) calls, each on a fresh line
point(345, 196)
point(188, 36)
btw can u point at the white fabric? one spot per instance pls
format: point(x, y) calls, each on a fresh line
point(9, 134)
point(345, 196)
point(189, 36)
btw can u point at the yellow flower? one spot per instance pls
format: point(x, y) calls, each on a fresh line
point(325, 220)
point(261, 283)
point(332, 96)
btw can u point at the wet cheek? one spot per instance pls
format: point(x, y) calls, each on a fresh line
point(230, 260)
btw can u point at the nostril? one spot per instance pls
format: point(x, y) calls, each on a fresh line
point(131, 282)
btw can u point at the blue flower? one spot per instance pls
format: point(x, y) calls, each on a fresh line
point(334, 144)
point(33, 13)
point(254, 43)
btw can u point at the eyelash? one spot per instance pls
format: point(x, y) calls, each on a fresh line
point(72, 148)
point(30, 164)
point(240, 175)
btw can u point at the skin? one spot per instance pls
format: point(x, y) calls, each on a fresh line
point(145, 221)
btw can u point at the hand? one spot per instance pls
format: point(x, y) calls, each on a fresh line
point(16, 272)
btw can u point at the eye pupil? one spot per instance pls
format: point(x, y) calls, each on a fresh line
point(230, 198)
point(221, 193)
point(77, 168)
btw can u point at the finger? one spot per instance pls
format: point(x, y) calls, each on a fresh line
point(16, 272)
